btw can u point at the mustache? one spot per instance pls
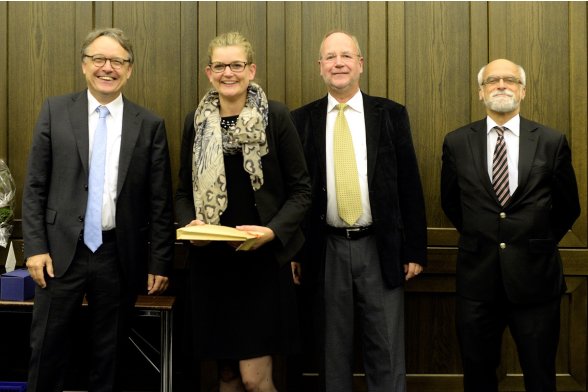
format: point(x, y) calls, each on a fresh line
point(503, 92)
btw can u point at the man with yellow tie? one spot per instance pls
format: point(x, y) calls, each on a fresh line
point(366, 232)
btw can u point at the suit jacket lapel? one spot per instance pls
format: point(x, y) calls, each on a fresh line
point(372, 117)
point(478, 141)
point(131, 127)
point(318, 128)
point(78, 116)
point(527, 146)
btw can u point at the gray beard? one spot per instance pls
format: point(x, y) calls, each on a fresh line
point(502, 105)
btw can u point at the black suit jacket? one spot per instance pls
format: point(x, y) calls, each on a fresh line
point(56, 192)
point(395, 191)
point(284, 197)
point(539, 213)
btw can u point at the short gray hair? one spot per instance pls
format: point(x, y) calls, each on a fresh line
point(116, 34)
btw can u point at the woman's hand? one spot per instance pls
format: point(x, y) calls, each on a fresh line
point(197, 222)
point(267, 235)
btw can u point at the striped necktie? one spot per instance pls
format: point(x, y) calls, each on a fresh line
point(346, 178)
point(500, 168)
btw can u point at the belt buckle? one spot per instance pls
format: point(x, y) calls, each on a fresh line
point(350, 231)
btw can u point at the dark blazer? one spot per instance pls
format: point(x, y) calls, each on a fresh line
point(284, 197)
point(395, 191)
point(539, 213)
point(56, 192)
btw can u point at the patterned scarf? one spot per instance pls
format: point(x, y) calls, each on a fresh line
point(208, 168)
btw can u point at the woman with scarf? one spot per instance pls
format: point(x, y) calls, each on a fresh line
point(242, 166)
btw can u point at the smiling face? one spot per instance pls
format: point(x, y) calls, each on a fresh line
point(341, 65)
point(106, 83)
point(231, 85)
point(502, 90)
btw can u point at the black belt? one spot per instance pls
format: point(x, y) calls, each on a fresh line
point(351, 233)
point(109, 235)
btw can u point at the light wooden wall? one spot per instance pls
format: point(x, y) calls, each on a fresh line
point(424, 55)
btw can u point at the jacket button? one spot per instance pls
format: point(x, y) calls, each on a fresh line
point(80, 218)
point(86, 187)
point(503, 215)
point(502, 245)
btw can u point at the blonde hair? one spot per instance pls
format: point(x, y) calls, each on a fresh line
point(232, 38)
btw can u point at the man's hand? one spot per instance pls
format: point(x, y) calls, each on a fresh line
point(156, 284)
point(296, 272)
point(37, 264)
point(411, 270)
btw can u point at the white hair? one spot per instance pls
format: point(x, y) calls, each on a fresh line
point(521, 72)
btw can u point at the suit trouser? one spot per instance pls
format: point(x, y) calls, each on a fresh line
point(353, 280)
point(56, 309)
point(534, 328)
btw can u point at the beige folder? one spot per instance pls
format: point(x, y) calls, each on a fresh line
point(217, 233)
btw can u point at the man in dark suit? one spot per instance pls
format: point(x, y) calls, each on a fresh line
point(359, 251)
point(128, 247)
point(508, 186)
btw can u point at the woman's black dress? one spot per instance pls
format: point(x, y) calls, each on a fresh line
point(242, 303)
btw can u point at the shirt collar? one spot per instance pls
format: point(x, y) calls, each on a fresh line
point(115, 107)
point(355, 102)
point(513, 125)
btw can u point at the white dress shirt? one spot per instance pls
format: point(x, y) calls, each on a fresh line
point(356, 121)
point(511, 138)
point(114, 132)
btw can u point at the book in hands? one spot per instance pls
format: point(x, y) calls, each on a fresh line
point(217, 233)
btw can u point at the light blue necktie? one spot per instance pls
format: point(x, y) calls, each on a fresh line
point(93, 220)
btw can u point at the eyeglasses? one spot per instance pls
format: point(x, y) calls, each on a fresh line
point(345, 57)
point(235, 66)
point(509, 80)
point(115, 62)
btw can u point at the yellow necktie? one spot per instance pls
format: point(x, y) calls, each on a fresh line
point(346, 178)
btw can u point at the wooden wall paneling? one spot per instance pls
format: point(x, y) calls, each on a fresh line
point(478, 54)
point(4, 129)
point(396, 52)
point(275, 43)
point(578, 96)
point(438, 92)
point(41, 51)
point(189, 73)
point(377, 47)
point(207, 30)
point(84, 17)
point(155, 31)
point(250, 19)
point(293, 66)
point(431, 339)
point(103, 14)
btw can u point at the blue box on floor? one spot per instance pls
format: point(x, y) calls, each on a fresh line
point(12, 386)
point(16, 286)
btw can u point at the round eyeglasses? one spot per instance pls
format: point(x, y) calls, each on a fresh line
point(115, 62)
